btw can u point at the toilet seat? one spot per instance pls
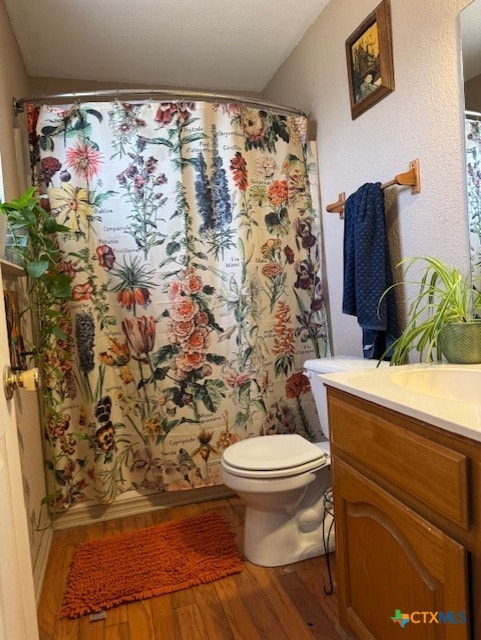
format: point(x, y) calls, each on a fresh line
point(277, 456)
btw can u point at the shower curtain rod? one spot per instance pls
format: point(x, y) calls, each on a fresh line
point(473, 114)
point(168, 94)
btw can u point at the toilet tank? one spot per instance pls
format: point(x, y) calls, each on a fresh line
point(331, 364)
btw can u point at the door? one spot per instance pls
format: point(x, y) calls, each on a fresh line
point(18, 614)
point(393, 566)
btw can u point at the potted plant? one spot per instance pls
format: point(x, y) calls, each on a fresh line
point(444, 317)
point(34, 246)
point(34, 234)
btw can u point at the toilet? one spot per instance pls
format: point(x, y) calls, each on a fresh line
point(284, 481)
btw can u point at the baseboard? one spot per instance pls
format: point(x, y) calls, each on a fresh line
point(40, 565)
point(129, 505)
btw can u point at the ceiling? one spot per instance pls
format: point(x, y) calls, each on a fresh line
point(204, 44)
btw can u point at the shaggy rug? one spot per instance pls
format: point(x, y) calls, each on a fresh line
point(149, 562)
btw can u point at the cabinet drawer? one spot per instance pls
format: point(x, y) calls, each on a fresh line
point(430, 472)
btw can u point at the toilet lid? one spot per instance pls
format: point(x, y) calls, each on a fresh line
point(272, 453)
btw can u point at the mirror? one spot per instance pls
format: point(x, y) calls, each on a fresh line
point(470, 23)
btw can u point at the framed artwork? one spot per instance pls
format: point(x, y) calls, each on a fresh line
point(15, 340)
point(370, 68)
point(2, 192)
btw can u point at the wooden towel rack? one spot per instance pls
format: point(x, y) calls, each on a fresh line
point(411, 178)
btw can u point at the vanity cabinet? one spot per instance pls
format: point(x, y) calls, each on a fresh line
point(408, 531)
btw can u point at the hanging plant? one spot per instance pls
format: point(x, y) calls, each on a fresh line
point(49, 287)
point(35, 242)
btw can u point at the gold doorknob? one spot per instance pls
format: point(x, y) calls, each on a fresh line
point(28, 380)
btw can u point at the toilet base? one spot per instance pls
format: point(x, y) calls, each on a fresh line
point(274, 539)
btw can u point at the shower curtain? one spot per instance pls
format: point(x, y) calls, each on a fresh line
point(197, 291)
point(473, 175)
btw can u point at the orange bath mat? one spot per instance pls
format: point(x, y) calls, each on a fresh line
point(149, 562)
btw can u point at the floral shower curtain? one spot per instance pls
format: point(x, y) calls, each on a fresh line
point(473, 164)
point(197, 289)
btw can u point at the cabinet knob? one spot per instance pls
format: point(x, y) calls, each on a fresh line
point(28, 380)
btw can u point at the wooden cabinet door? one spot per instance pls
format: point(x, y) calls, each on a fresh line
point(390, 559)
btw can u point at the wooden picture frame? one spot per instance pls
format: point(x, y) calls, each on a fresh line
point(370, 67)
point(16, 346)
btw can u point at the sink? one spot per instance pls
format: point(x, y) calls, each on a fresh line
point(450, 383)
point(445, 395)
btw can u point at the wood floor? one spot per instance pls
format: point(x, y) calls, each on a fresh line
point(281, 603)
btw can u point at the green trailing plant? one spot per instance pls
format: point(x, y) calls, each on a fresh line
point(49, 287)
point(444, 297)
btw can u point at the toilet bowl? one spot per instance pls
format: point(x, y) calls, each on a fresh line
point(279, 479)
point(284, 481)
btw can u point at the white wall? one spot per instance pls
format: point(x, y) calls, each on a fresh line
point(13, 82)
point(420, 119)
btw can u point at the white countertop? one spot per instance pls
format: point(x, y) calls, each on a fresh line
point(417, 397)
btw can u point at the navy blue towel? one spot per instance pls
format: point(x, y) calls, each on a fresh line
point(367, 270)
